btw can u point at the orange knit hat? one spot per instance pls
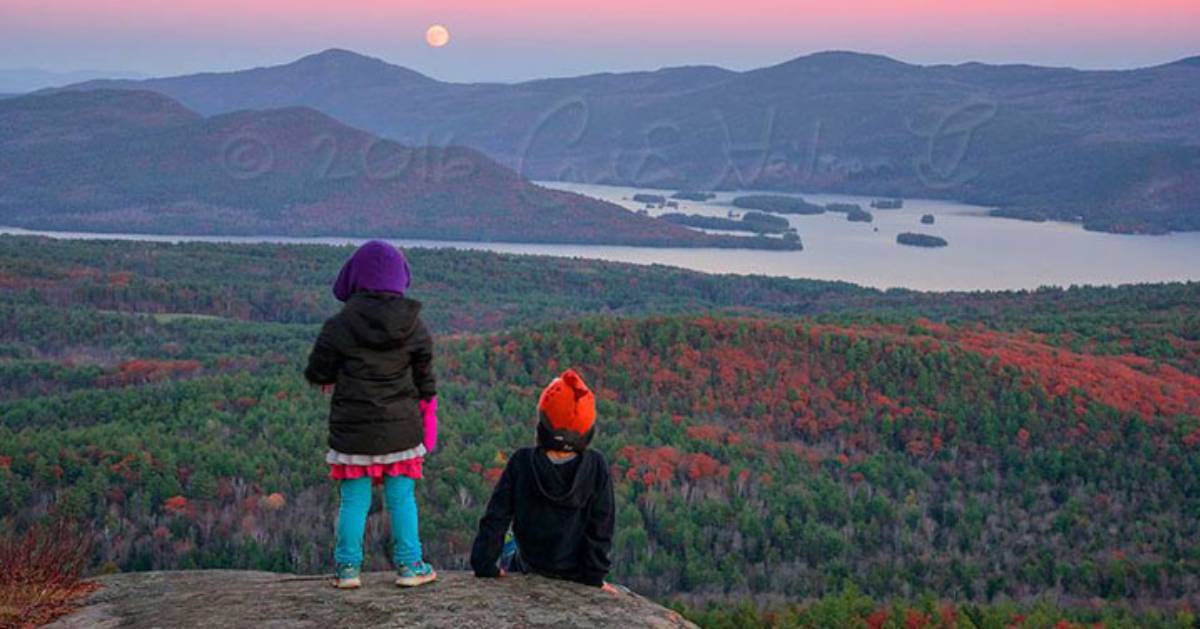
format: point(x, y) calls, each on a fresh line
point(567, 413)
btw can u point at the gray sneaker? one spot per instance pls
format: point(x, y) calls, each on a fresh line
point(414, 574)
point(347, 577)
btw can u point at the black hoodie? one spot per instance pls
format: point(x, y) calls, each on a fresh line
point(379, 354)
point(561, 513)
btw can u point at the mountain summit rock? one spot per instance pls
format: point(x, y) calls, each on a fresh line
point(230, 598)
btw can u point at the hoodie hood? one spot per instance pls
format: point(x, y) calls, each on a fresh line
point(380, 320)
point(569, 484)
point(375, 267)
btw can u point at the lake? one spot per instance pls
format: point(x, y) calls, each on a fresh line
point(985, 253)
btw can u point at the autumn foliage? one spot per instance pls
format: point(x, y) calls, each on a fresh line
point(984, 448)
point(1126, 382)
point(41, 574)
point(143, 371)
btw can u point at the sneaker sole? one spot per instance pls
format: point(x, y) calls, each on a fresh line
point(347, 584)
point(412, 582)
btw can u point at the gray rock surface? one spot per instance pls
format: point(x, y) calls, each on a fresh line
point(230, 598)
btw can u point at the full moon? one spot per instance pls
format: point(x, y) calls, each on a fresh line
point(437, 36)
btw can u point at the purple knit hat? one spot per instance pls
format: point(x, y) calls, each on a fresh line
point(376, 267)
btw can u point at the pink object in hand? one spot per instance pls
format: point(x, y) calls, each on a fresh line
point(429, 413)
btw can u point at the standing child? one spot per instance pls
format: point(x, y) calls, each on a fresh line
point(376, 357)
point(557, 496)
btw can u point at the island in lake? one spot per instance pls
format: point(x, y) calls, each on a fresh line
point(859, 215)
point(777, 203)
point(920, 240)
point(927, 219)
point(888, 204)
point(693, 195)
point(1021, 214)
point(756, 222)
point(649, 199)
point(844, 208)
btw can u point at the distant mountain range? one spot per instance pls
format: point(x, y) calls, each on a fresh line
point(21, 80)
point(1118, 150)
point(138, 161)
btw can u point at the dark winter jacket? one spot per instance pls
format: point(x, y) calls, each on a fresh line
point(562, 515)
point(378, 354)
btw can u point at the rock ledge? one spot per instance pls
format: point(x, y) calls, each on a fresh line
point(230, 598)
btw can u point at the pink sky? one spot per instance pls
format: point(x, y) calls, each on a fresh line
point(510, 40)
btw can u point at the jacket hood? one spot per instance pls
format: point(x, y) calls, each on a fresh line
point(554, 480)
point(375, 267)
point(380, 319)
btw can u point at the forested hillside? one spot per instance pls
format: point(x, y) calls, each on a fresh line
point(772, 440)
point(129, 161)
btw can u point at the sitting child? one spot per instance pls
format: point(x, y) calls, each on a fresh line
point(557, 496)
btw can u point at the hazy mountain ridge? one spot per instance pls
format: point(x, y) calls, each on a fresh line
point(113, 160)
point(81, 117)
point(1021, 136)
point(20, 80)
point(1188, 61)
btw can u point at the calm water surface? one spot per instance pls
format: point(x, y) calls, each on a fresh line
point(984, 253)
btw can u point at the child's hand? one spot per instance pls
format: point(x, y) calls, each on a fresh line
point(607, 587)
point(503, 572)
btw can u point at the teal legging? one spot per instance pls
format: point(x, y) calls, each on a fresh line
point(401, 505)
